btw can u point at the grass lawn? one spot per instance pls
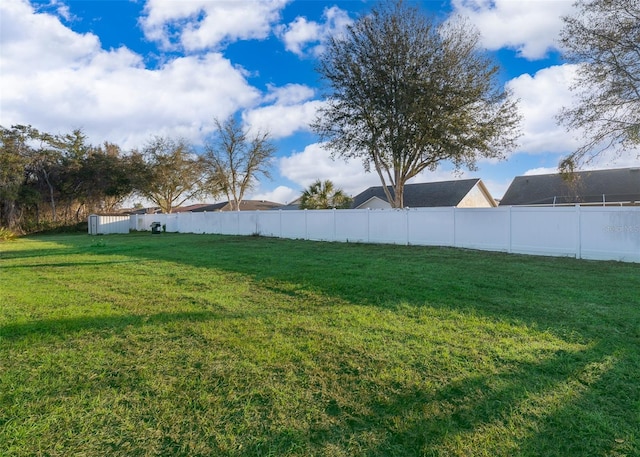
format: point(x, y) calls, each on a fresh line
point(202, 345)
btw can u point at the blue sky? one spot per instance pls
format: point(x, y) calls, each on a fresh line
point(124, 71)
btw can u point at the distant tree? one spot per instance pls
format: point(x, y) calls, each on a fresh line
point(407, 93)
point(174, 173)
point(235, 159)
point(107, 176)
point(15, 153)
point(324, 195)
point(603, 38)
point(71, 151)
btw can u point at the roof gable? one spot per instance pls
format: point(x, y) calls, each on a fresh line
point(597, 186)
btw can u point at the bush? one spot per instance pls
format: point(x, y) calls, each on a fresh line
point(7, 235)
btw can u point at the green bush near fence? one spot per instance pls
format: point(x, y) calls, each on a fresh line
point(187, 345)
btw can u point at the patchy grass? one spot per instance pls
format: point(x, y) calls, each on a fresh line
point(140, 345)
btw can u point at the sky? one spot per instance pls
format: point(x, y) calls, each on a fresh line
point(125, 71)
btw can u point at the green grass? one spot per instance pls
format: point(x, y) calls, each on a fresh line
point(187, 345)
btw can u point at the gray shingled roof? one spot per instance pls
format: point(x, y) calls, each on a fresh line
point(245, 205)
point(424, 195)
point(614, 185)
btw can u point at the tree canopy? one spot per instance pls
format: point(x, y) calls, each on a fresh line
point(603, 38)
point(407, 93)
point(175, 173)
point(60, 178)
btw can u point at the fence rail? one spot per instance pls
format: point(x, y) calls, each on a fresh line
point(598, 233)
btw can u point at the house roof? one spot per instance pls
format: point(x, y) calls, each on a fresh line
point(199, 207)
point(245, 205)
point(294, 205)
point(423, 195)
point(597, 186)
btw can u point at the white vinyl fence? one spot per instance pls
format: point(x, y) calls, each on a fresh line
point(599, 233)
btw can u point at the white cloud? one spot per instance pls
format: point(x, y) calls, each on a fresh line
point(541, 171)
point(300, 32)
point(291, 111)
point(39, 40)
point(304, 37)
point(282, 120)
point(542, 96)
point(56, 80)
point(204, 24)
point(281, 194)
point(315, 162)
point(530, 27)
point(289, 94)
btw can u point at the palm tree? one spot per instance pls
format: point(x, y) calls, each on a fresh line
point(323, 195)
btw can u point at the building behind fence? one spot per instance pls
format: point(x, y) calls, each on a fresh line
point(598, 233)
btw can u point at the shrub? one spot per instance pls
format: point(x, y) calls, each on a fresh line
point(7, 235)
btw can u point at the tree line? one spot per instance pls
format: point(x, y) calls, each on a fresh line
point(59, 179)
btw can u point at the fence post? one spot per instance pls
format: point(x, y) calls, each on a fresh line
point(406, 222)
point(579, 231)
point(455, 244)
point(509, 247)
point(334, 225)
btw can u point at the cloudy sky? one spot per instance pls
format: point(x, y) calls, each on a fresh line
point(126, 70)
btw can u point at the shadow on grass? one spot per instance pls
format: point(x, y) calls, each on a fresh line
point(603, 420)
point(114, 323)
point(63, 264)
point(521, 412)
point(562, 294)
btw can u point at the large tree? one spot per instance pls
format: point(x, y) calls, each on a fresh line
point(107, 177)
point(407, 93)
point(603, 39)
point(324, 195)
point(175, 173)
point(235, 159)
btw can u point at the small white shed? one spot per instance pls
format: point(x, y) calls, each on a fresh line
point(106, 225)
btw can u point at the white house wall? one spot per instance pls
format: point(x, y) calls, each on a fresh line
point(375, 203)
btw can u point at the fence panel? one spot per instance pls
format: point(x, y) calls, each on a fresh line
point(247, 222)
point(352, 225)
point(294, 224)
point(544, 230)
point(268, 223)
point(229, 223)
point(321, 225)
point(482, 228)
point(388, 226)
point(431, 226)
point(609, 233)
